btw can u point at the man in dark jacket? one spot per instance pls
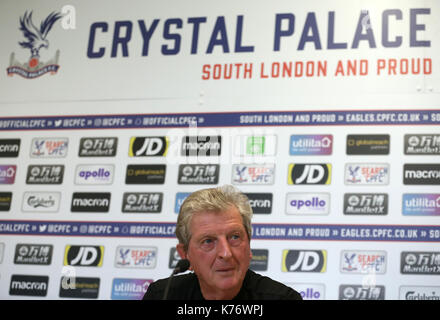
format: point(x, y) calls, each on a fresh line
point(214, 231)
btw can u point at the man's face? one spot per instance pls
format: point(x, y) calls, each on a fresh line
point(219, 252)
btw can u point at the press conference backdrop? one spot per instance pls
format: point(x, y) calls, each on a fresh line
point(325, 113)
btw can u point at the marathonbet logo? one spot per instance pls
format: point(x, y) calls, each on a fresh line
point(36, 40)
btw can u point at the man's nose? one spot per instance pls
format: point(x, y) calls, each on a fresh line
point(223, 248)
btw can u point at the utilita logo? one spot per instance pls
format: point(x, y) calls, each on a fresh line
point(311, 145)
point(129, 289)
point(421, 204)
point(7, 174)
point(308, 203)
point(35, 40)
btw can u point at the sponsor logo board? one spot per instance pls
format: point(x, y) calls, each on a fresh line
point(79, 287)
point(421, 174)
point(361, 262)
point(98, 147)
point(261, 203)
point(38, 254)
point(422, 144)
point(145, 174)
point(367, 173)
point(311, 145)
point(419, 293)
point(420, 263)
point(308, 203)
point(27, 285)
point(83, 256)
point(45, 174)
point(257, 174)
point(360, 292)
point(129, 289)
point(304, 261)
point(148, 146)
point(49, 147)
point(41, 201)
point(7, 174)
point(421, 204)
point(255, 145)
point(366, 203)
point(90, 202)
point(9, 148)
point(368, 144)
point(137, 202)
point(136, 257)
point(94, 174)
point(259, 261)
point(5, 201)
point(199, 146)
point(309, 291)
point(309, 173)
point(180, 198)
point(198, 174)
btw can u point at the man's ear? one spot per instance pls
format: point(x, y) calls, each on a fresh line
point(181, 250)
point(182, 253)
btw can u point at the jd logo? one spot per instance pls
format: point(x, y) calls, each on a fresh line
point(148, 146)
point(304, 260)
point(84, 256)
point(309, 174)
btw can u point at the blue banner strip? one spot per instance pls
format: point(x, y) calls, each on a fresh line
point(398, 233)
point(225, 119)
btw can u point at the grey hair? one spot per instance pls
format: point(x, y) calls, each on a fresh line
point(212, 200)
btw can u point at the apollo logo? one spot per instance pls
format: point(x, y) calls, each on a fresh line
point(94, 174)
point(148, 146)
point(309, 174)
point(308, 203)
point(304, 261)
point(310, 291)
